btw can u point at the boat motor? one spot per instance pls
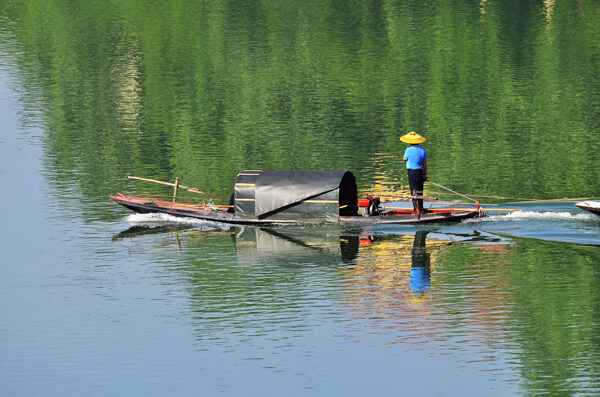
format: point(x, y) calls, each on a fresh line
point(368, 206)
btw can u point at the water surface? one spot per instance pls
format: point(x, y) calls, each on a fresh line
point(97, 301)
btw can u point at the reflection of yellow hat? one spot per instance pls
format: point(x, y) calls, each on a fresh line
point(412, 137)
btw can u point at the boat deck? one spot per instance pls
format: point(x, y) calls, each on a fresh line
point(220, 213)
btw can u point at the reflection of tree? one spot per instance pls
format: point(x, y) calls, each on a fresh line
point(210, 88)
point(531, 303)
point(533, 300)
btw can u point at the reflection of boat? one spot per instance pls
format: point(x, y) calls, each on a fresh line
point(140, 230)
point(590, 206)
point(325, 244)
point(397, 263)
point(294, 245)
point(272, 197)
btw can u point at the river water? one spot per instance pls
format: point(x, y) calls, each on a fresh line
point(96, 300)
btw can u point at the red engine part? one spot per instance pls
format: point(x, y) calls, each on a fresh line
point(364, 202)
point(368, 206)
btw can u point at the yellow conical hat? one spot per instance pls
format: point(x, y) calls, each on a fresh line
point(412, 137)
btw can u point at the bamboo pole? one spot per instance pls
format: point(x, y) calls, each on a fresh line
point(485, 209)
point(403, 196)
point(500, 209)
point(175, 190)
point(189, 189)
point(533, 201)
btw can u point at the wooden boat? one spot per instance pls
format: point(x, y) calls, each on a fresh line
point(589, 206)
point(289, 196)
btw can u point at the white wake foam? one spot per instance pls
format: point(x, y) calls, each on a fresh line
point(537, 215)
point(161, 219)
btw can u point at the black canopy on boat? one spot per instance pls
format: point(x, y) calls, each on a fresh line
point(293, 194)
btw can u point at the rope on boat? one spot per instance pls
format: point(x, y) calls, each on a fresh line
point(452, 191)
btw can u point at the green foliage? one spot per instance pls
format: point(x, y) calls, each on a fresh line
point(505, 92)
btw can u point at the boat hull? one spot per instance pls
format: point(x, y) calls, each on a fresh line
point(589, 206)
point(220, 214)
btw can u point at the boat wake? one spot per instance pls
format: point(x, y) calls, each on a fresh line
point(161, 220)
point(537, 215)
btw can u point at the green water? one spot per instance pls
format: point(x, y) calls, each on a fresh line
point(97, 302)
point(505, 92)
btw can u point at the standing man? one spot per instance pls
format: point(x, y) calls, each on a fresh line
point(416, 165)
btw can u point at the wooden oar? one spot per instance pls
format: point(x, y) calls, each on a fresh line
point(533, 201)
point(190, 189)
point(385, 207)
point(501, 209)
point(402, 196)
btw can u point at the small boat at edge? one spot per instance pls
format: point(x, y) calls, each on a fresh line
point(589, 206)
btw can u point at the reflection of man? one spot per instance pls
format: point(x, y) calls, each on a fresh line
point(420, 272)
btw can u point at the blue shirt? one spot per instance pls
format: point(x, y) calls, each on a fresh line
point(415, 155)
